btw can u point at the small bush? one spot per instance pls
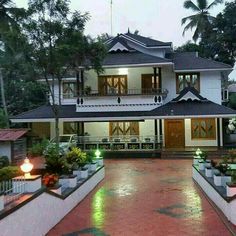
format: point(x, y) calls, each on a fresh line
point(38, 148)
point(9, 172)
point(76, 158)
point(4, 161)
point(50, 180)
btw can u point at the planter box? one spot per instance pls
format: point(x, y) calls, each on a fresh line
point(196, 160)
point(209, 172)
point(100, 162)
point(230, 190)
point(217, 180)
point(1, 201)
point(208, 163)
point(84, 174)
point(92, 166)
point(77, 173)
point(201, 165)
point(68, 181)
point(225, 179)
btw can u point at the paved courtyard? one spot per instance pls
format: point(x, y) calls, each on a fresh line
point(144, 197)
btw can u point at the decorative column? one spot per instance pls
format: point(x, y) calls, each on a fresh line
point(220, 130)
point(160, 78)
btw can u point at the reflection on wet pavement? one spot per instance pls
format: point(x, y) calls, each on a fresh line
point(144, 197)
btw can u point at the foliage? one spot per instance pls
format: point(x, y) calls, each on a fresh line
point(213, 163)
point(76, 158)
point(232, 155)
point(223, 168)
point(3, 119)
point(202, 20)
point(203, 155)
point(232, 100)
point(55, 163)
point(233, 177)
point(37, 149)
point(50, 180)
point(232, 124)
point(4, 161)
point(9, 172)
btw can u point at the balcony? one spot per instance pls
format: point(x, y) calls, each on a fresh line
point(125, 100)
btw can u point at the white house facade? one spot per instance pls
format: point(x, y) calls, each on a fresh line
point(148, 97)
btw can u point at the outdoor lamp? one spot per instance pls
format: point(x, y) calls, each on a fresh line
point(97, 153)
point(26, 167)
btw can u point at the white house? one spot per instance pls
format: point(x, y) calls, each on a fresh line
point(148, 97)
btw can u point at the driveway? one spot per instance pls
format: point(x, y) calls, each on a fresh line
point(144, 197)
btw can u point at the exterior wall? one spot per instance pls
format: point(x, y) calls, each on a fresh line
point(41, 129)
point(52, 129)
point(202, 142)
point(146, 128)
point(5, 149)
point(210, 86)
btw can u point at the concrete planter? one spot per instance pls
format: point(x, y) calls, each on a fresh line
point(100, 162)
point(230, 189)
point(208, 163)
point(93, 166)
point(209, 172)
point(84, 173)
point(217, 180)
point(56, 189)
point(77, 173)
point(201, 165)
point(196, 160)
point(68, 181)
point(1, 201)
point(225, 179)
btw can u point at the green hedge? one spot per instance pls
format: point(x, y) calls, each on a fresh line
point(9, 172)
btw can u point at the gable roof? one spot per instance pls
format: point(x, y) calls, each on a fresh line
point(133, 58)
point(11, 134)
point(190, 61)
point(119, 41)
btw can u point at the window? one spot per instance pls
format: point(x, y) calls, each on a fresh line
point(187, 79)
point(203, 128)
point(69, 89)
point(124, 128)
point(112, 84)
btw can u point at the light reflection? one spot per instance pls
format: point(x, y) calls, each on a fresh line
point(98, 212)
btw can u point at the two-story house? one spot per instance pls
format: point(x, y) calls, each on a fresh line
point(148, 97)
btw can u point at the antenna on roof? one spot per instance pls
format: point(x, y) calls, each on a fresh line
point(111, 18)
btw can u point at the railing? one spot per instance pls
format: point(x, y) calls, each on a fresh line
point(122, 142)
point(12, 190)
point(115, 92)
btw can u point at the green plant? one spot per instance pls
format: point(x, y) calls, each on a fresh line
point(38, 148)
point(223, 168)
point(232, 155)
point(233, 177)
point(9, 172)
point(55, 163)
point(87, 90)
point(4, 161)
point(203, 155)
point(213, 163)
point(76, 158)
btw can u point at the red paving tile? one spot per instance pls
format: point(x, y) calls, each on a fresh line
point(144, 197)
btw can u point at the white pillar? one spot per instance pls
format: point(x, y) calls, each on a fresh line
point(61, 128)
point(163, 132)
point(1, 202)
point(158, 131)
point(52, 130)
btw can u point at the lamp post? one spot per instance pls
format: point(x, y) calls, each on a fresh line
point(26, 167)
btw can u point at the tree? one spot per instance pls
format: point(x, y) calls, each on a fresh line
point(58, 44)
point(202, 20)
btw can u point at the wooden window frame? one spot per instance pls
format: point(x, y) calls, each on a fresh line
point(199, 120)
point(65, 95)
point(191, 76)
point(123, 124)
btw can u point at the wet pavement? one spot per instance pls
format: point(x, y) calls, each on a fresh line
point(144, 197)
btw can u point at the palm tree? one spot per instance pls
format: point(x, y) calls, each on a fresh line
point(202, 20)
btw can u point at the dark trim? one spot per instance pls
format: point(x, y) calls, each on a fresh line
point(31, 179)
point(218, 131)
point(5, 213)
point(160, 77)
point(155, 77)
point(156, 128)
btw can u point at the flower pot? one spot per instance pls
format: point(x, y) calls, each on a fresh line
point(93, 166)
point(208, 163)
point(225, 179)
point(100, 162)
point(77, 173)
point(68, 181)
point(230, 189)
point(84, 174)
point(217, 180)
point(201, 165)
point(209, 172)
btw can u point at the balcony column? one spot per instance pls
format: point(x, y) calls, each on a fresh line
point(155, 77)
point(160, 78)
point(80, 81)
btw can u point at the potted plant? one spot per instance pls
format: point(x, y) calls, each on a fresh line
point(197, 157)
point(231, 186)
point(51, 182)
point(76, 159)
point(92, 164)
point(222, 177)
point(204, 162)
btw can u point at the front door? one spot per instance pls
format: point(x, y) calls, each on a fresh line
point(174, 133)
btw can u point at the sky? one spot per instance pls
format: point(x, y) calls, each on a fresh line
point(158, 19)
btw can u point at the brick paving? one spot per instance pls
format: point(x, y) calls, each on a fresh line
point(144, 197)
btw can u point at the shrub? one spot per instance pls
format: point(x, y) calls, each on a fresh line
point(76, 158)
point(55, 163)
point(4, 161)
point(50, 180)
point(38, 148)
point(9, 172)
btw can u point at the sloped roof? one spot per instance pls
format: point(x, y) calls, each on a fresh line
point(190, 61)
point(121, 41)
point(11, 134)
point(132, 58)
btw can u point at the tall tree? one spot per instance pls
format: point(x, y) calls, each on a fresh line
point(58, 44)
point(202, 20)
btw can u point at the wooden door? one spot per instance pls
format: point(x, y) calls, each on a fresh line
point(174, 133)
point(149, 83)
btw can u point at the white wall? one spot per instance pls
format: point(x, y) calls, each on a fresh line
point(5, 149)
point(193, 142)
point(146, 128)
point(97, 128)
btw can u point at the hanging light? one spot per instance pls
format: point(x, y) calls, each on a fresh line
point(26, 167)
